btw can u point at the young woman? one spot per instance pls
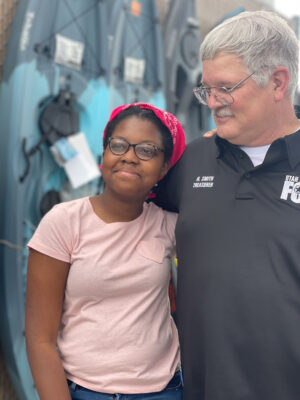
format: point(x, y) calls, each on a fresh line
point(98, 322)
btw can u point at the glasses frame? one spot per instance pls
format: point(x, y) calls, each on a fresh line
point(155, 148)
point(202, 88)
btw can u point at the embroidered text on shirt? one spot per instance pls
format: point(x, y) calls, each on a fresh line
point(204, 182)
point(291, 189)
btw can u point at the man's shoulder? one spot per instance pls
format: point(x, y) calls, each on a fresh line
point(202, 143)
point(201, 146)
point(198, 154)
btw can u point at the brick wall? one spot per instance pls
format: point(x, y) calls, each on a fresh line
point(7, 12)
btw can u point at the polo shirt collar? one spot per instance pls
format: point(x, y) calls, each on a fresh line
point(292, 143)
point(222, 146)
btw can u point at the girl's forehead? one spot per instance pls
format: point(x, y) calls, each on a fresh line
point(137, 127)
point(134, 120)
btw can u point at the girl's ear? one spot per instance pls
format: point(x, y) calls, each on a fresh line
point(165, 168)
point(102, 156)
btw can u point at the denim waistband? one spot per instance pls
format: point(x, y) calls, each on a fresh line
point(175, 383)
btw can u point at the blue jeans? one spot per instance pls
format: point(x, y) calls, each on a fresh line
point(173, 391)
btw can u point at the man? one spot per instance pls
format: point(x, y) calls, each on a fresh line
point(238, 232)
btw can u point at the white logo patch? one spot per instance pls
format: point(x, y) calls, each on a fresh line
point(291, 189)
point(204, 182)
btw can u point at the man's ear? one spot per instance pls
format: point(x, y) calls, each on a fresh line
point(280, 79)
point(165, 168)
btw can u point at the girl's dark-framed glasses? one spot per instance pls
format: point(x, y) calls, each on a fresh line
point(143, 151)
point(222, 94)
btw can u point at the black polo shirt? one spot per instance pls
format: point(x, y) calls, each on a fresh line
point(238, 247)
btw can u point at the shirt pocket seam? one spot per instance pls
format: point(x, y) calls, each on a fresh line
point(152, 249)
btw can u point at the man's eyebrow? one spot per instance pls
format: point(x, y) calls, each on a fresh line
point(219, 84)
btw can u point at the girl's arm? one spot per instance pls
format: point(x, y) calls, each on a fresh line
point(46, 282)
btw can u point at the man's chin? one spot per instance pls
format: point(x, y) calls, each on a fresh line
point(223, 133)
point(227, 135)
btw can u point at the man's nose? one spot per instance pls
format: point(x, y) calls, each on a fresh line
point(213, 101)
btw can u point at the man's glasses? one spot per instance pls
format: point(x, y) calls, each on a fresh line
point(222, 94)
point(143, 151)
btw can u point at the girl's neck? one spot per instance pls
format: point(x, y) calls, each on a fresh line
point(112, 209)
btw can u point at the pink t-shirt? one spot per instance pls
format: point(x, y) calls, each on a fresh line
point(116, 333)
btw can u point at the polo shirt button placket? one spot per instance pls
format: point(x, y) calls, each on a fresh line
point(248, 175)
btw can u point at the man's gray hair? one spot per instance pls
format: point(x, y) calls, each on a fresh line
point(262, 39)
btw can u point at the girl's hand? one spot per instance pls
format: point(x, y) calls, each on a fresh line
point(210, 133)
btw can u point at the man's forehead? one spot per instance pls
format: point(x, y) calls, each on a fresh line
point(224, 67)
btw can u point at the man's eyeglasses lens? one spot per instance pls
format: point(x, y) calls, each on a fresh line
point(144, 151)
point(222, 94)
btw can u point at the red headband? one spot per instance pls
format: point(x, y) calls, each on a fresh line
point(167, 119)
